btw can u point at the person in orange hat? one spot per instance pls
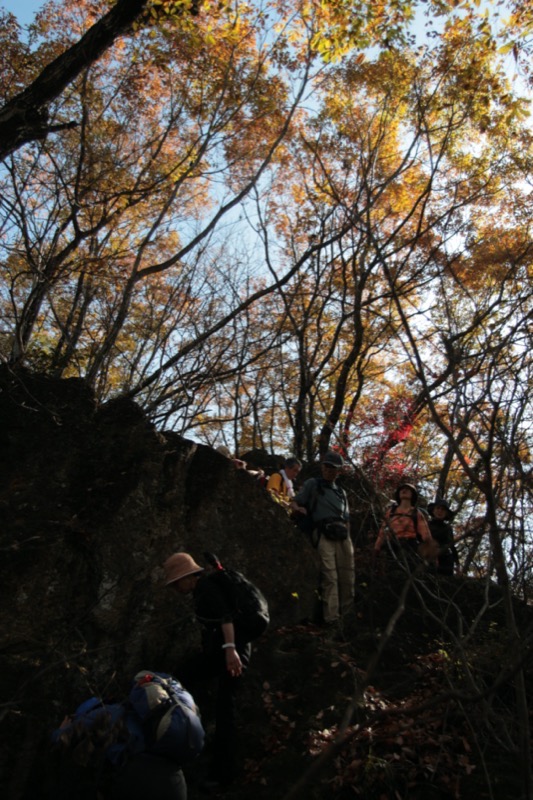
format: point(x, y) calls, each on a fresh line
point(225, 655)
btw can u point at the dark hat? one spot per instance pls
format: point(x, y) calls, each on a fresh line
point(333, 459)
point(408, 486)
point(443, 504)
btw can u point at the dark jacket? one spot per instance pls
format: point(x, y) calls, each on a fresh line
point(211, 605)
point(442, 532)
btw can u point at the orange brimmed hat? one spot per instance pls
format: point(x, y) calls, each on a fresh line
point(178, 566)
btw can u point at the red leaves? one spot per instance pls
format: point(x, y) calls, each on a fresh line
point(387, 427)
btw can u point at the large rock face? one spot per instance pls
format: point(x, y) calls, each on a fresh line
point(92, 500)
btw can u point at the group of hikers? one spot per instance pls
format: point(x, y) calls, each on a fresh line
point(320, 508)
point(233, 612)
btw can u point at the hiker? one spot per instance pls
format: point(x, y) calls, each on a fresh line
point(129, 750)
point(404, 525)
point(280, 484)
point(324, 506)
point(225, 655)
point(440, 518)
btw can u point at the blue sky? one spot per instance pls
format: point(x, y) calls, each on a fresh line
point(24, 10)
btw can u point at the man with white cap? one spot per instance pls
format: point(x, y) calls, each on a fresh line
point(225, 655)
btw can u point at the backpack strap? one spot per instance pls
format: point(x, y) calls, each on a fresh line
point(415, 523)
point(344, 500)
point(313, 500)
point(414, 517)
point(306, 523)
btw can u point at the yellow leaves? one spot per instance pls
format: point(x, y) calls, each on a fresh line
point(507, 48)
point(337, 27)
point(170, 7)
point(496, 249)
point(173, 11)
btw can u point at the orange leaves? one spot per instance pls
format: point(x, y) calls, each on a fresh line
point(399, 749)
point(281, 726)
point(494, 253)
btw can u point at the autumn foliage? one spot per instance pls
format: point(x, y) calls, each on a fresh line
point(287, 225)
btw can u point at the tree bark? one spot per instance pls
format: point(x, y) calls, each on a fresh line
point(24, 118)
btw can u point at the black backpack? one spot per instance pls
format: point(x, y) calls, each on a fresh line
point(246, 601)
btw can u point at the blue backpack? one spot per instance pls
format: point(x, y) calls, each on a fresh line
point(169, 716)
point(159, 717)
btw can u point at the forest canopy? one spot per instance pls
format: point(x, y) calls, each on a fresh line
point(288, 225)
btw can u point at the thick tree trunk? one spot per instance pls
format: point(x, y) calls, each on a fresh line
point(24, 118)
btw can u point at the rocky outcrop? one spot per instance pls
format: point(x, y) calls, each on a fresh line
point(92, 500)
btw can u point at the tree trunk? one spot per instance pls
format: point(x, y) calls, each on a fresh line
point(24, 118)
